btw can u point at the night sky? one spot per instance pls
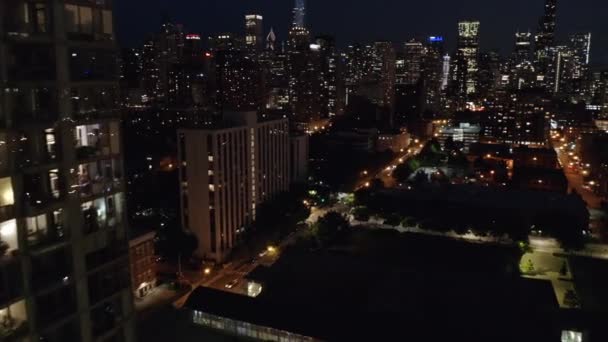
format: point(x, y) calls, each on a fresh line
point(363, 21)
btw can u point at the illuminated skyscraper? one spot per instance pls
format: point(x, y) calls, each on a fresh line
point(414, 54)
point(546, 29)
point(523, 46)
point(271, 40)
point(254, 32)
point(299, 14)
point(445, 71)
point(466, 61)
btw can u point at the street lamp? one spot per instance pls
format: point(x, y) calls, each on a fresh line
point(207, 271)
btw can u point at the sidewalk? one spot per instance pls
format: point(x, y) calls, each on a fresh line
point(159, 297)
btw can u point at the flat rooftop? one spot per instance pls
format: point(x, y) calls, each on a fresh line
point(390, 286)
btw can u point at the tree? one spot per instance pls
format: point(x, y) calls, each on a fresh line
point(329, 227)
point(529, 267)
point(362, 214)
point(392, 219)
point(402, 173)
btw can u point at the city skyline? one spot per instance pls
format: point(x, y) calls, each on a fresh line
point(401, 22)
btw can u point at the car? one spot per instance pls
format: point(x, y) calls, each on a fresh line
point(232, 284)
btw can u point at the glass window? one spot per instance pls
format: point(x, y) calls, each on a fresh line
point(86, 19)
point(8, 234)
point(71, 18)
point(107, 22)
point(6, 192)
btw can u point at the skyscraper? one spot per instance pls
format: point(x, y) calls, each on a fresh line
point(523, 47)
point(299, 14)
point(414, 54)
point(65, 271)
point(254, 31)
point(465, 63)
point(545, 36)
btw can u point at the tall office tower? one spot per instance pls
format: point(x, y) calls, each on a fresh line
point(558, 69)
point(414, 53)
point(226, 174)
point(467, 55)
point(489, 73)
point(445, 72)
point(331, 104)
point(254, 32)
point(64, 259)
point(271, 40)
point(303, 70)
point(545, 36)
point(523, 47)
point(150, 71)
point(601, 92)
point(579, 75)
point(358, 65)
point(299, 14)
point(131, 91)
point(432, 72)
point(238, 81)
point(383, 70)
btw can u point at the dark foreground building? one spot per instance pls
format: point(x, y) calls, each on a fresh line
point(340, 296)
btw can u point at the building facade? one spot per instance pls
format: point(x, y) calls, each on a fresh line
point(64, 261)
point(226, 174)
point(143, 264)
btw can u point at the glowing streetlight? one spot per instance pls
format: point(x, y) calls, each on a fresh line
point(207, 271)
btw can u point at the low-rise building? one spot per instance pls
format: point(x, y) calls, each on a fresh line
point(463, 134)
point(395, 141)
point(143, 264)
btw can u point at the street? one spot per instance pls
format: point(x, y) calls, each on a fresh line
point(385, 174)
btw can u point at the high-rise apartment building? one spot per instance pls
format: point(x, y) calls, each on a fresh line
point(64, 263)
point(383, 70)
point(226, 174)
point(517, 117)
point(329, 78)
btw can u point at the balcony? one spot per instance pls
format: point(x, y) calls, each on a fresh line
point(51, 269)
point(56, 305)
point(102, 213)
point(51, 236)
point(13, 322)
point(26, 19)
point(31, 62)
point(94, 103)
point(108, 282)
point(106, 317)
point(97, 140)
point(99, 177)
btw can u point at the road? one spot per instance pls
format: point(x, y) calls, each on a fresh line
point(385, 174)
point(575, 178)
point(237, 270)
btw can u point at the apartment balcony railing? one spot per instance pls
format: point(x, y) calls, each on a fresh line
point(101, 185)
point(53, 235)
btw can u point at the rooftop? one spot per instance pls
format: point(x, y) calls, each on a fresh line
point(382, 294)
